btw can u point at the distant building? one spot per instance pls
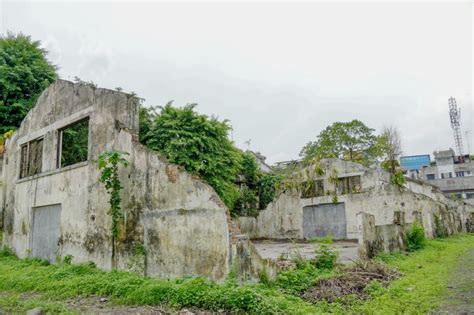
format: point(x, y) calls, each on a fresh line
point(414, 162)
point(262, 165)
point(454, 175)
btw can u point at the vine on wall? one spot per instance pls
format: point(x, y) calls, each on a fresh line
point(109, 163)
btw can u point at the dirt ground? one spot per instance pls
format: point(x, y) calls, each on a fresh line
point(460, 297)
point(275, 249)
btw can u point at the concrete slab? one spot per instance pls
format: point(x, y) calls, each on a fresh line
point(272, 249)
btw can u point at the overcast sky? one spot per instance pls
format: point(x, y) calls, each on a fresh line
point(279, 72)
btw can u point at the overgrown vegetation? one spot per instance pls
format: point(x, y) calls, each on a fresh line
point(415, 237)
point(109, 163)
point(201, 145)
point(398, 179)
point(197, 142)
point(418, 290)
point(24, 74)
point(326, 258)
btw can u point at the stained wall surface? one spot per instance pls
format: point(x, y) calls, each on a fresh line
point(375, 195)
point(178, 218)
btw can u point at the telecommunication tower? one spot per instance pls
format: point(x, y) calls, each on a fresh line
point(455, 117)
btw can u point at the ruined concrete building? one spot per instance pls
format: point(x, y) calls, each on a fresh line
point(333, 193)
point(53, 204)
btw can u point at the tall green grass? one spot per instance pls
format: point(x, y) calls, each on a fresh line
point(424, 281)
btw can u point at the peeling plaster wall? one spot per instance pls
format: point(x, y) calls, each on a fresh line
point(377, 197)
point(178, 218)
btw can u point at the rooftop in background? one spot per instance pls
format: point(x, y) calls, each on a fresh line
point(414, 162)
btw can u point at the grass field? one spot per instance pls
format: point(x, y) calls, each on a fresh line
point(28, 283)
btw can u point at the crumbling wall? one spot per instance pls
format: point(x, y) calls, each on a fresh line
point(174, 224)
point(247, 263)
point(390, 238)
point(376, 197)
point(177, 217)
point(281, 219)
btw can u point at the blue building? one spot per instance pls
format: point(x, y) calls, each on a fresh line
point(414, 162)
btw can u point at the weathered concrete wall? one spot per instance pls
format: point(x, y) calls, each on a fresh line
point(376, 196)
point(248, 265)
point(390, 238)
point(179, 219)
point(282, 219)
point(374, 239)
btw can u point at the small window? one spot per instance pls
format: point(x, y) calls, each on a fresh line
point(31, 158)
point(74, 142)
point(430, 176)
point(446, 175)
point(314, 188)
point(24, 161)
point(347, 185)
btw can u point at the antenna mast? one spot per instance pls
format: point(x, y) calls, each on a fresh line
point(455, 117)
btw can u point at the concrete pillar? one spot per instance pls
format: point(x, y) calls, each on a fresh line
point(366, 235)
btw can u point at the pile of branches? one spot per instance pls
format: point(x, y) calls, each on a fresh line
point(352, 281)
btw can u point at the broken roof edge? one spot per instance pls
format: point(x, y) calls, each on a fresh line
point(136, 143)
point(59, 83)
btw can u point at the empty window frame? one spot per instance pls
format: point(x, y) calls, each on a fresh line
point(31, 158)
point(446, 175)
point(348, 185)
point(73, 143)
point(314, 188)
point(430, 176)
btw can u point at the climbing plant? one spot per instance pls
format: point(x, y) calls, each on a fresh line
point(109, 163)
point(333, 179)
point(398, 179)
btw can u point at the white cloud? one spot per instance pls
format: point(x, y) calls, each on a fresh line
point(280, 72)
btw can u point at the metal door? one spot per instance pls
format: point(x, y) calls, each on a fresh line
point(325, 219)
point(46, 232)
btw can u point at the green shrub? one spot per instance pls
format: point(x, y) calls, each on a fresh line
point(326, 257)
point(246, 205)
point(416, 237)
point(398, 179)
point(322, 240)
point(296, 281)
point(7, 252)
point(68, 259)
point(267, 188)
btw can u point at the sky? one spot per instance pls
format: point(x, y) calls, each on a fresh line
point(279, 72)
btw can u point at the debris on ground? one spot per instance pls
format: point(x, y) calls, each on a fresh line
point(352, 281)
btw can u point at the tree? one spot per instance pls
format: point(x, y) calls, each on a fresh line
point(390, 146)
point(352, 141)
point(197, 142)
point(250, 170)
point(24, 74)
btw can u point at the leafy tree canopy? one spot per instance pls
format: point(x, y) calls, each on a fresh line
point(24, 74)
point(198, 142)
point(352, 141)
